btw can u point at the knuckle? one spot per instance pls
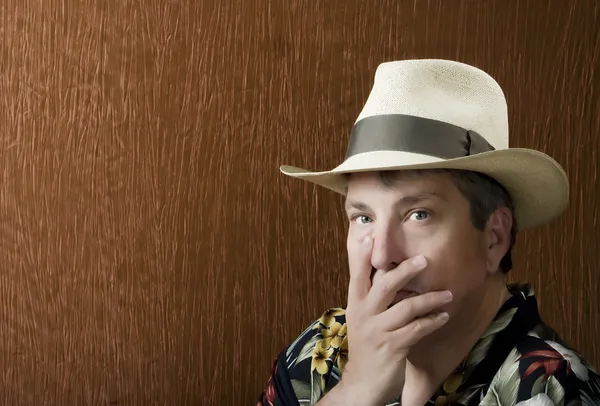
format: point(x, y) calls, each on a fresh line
point(407, 306)
point(385, 288)
point(419, 325)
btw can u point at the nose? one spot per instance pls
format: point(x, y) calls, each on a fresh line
point(387, 251)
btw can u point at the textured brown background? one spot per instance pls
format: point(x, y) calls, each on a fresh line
point(150, 251)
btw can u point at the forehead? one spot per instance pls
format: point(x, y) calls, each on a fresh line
point(404, 183)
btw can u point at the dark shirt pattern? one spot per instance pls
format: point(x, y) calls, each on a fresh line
point(518, 361)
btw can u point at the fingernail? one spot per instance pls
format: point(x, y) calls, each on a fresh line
point(443, 316)
point(419, 261)
point(447, 296)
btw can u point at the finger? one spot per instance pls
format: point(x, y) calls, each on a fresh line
point(415, 307)
point(384, 289)
point(359, 262)
point(410, 334)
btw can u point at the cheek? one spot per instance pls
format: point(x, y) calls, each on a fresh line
point(453, 263)
point(357, 232)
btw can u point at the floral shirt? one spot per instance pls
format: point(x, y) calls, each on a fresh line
point(517, 361)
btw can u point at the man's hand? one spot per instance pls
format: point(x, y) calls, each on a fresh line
point(379, 338)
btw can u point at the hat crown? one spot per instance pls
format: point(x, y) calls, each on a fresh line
point(442, 90)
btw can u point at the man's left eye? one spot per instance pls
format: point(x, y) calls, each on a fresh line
point(419, 215)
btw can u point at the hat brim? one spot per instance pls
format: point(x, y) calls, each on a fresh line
point(537, 184)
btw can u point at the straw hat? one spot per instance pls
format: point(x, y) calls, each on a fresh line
point(430, 113)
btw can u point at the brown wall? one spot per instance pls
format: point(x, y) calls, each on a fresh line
point(152, 253)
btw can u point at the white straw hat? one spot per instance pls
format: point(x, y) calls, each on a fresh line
point(443, 114)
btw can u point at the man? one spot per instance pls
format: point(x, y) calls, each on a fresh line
point(434, 196)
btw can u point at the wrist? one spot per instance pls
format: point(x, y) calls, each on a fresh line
point(350, 394)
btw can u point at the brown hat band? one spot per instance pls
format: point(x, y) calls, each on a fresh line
point(398, 132)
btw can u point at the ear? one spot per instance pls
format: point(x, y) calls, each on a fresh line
point(498, 230)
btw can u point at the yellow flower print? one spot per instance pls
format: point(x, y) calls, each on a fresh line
point(321, 353)
point(342, 356)
point(328, 318)
point(452, 382)
point(335, 334)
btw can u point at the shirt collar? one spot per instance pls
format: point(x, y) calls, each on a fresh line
point(517, 316)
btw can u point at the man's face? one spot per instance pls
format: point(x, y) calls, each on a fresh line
point(421, 214)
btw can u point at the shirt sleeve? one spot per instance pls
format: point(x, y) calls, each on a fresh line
point(279, 391)
point(309, 367)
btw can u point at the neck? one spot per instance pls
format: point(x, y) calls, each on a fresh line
point(434, 358)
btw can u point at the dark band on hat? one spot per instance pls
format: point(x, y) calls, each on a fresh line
point(398, 132)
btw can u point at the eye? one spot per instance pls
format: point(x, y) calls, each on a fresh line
point(361, 219)
point(419, 215)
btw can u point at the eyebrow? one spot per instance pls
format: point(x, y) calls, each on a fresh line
point(403, 201)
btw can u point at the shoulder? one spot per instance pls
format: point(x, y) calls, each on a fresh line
point(315, 359)
point(542, 367)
